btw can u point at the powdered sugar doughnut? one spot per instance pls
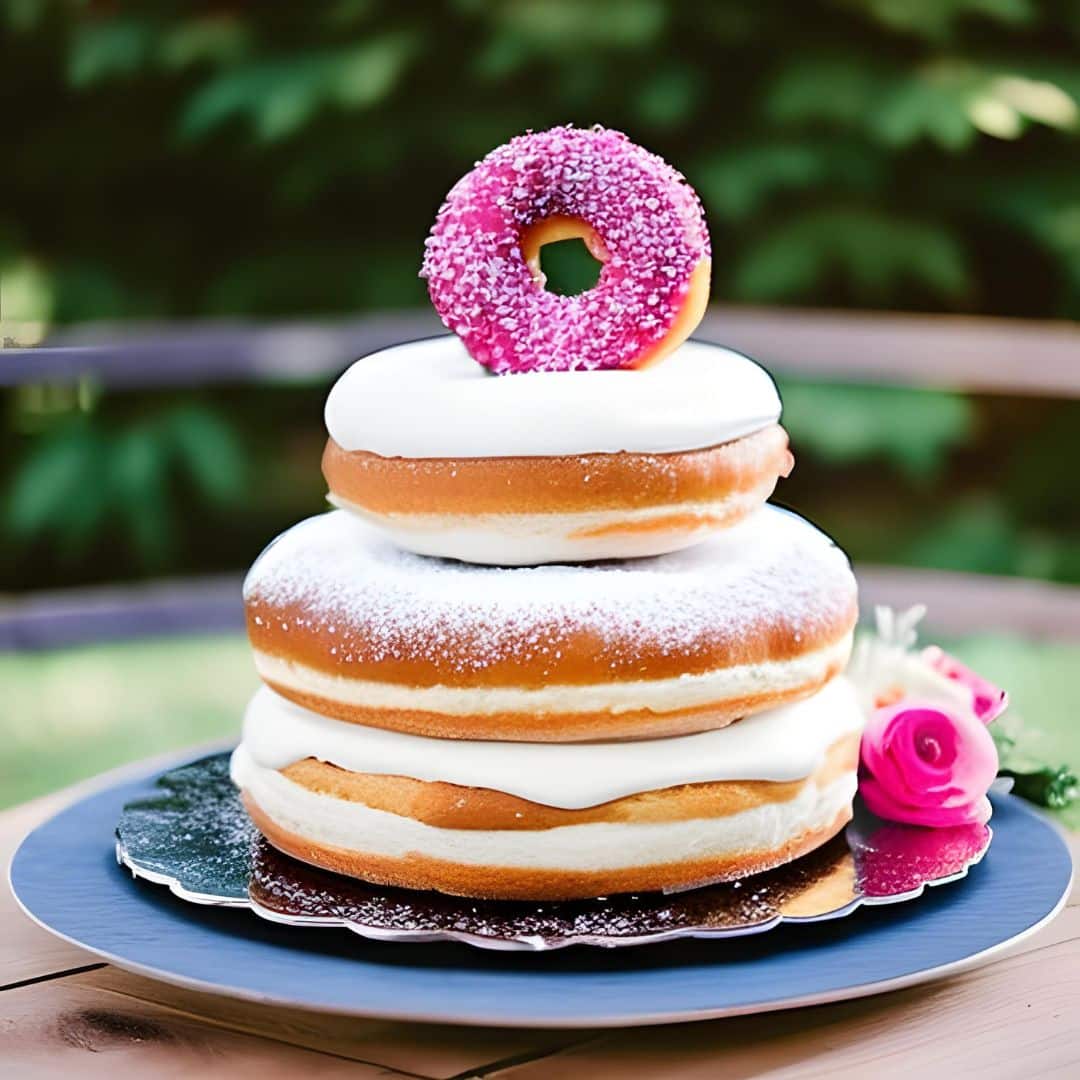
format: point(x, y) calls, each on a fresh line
point(638, 216)
point(346, 624)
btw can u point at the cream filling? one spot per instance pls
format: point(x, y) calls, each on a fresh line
point(528, 539)
point(594, 846)
point(431, 399)
point(782, 744)
point(656, 695)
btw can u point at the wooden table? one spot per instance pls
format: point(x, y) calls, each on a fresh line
point(63, 1012)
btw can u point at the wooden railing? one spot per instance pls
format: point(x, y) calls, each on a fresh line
point(978, 355)
point(957, 604)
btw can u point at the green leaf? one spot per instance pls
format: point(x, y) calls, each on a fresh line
point(207, 450)
point(368, 73)
point(842, 424)
point(23, 15)
point(937, 19)
point(263, 91)
point(947, 101)
point(80, 482)
point(872, 252)
point(933, 103)
point(59, 489)
point(108, 48)
point(844, 91)
point(1055, 787)
point(138, 475)
point(90, 290)
point(503, 55)
point(278, 97)
point(669, 96)
point(558, 26)
point(283, 110)
point(974, 535)
point(736, 183)
point(214, 39)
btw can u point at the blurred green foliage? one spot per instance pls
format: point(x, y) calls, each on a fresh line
point(198, 160)
point(70, 486)
point(913, 430)
point(100, 487)
point(205, 159)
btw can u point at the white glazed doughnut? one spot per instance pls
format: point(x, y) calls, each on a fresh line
point(547, 821)
point(451, 460)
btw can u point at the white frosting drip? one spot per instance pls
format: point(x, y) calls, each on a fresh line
point(598, 845)
point(431, 399)
point(787, 743)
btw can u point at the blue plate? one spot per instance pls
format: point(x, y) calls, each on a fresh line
point(66, 878)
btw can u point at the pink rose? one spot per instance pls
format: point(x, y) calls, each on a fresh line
point(989, 700)
point(926, 766)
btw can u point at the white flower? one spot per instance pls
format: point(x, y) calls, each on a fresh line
point(885, 665)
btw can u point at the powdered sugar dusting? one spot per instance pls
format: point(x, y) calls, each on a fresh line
point(647, 216)
point(772, 573)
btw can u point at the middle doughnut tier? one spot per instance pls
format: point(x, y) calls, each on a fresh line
point(346, 624)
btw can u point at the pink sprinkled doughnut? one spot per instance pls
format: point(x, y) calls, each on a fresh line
point(638, 217)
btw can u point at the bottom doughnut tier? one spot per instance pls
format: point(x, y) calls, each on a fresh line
point(551, 821)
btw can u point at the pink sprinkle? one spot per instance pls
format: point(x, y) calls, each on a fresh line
point(648, 217)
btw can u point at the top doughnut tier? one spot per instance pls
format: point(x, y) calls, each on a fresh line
point(515, 470)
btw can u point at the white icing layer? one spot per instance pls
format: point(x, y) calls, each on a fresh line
point(531, 539)
point(431, 399)
point(625, 695)
point(786, 743)
point(594, 846)
point(368, 602)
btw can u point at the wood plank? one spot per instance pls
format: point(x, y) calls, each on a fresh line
point(211, 351)
point(1015, 1018)
point(1019, 1016)
point(979, 354)
point(960, 603)
point(63, 1029)
point(429, 1049)
point(55, 618)
point(973, 353)
point(27, 951)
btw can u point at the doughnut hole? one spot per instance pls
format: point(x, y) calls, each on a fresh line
point(551, 230)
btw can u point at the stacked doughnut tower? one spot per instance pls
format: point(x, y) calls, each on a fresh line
point(554, 644)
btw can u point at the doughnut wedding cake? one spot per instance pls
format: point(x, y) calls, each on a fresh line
point(554, 643)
